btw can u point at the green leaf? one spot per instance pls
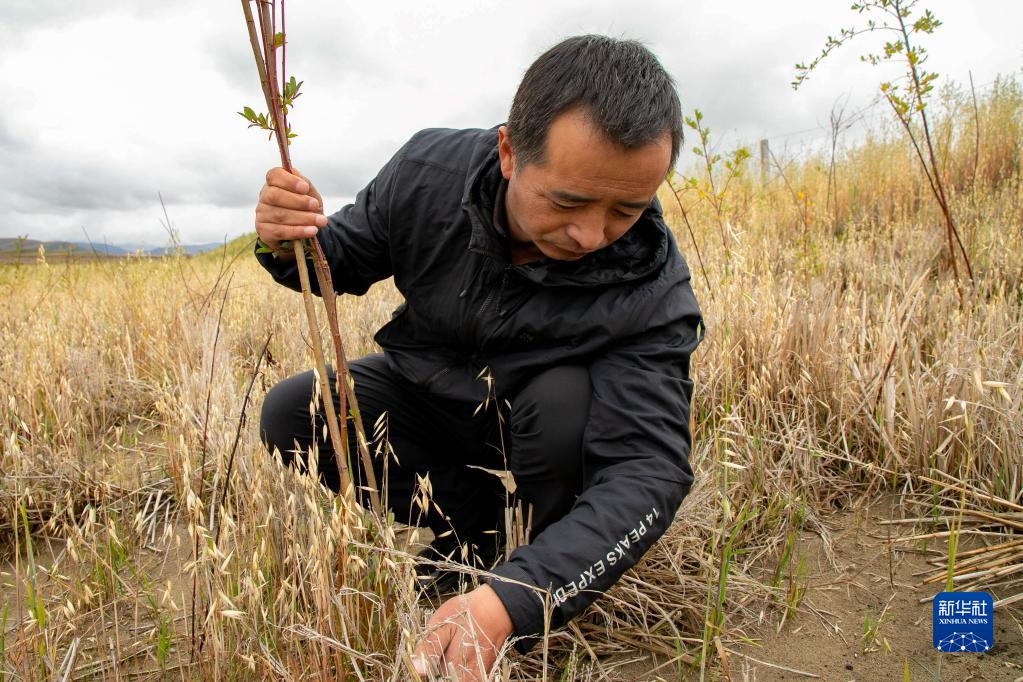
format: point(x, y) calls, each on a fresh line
point(249, 115)
point(291, 88)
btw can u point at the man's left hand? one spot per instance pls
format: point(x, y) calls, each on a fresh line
point(465, 634)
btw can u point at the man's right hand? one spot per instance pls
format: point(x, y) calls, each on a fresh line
point(289, 208)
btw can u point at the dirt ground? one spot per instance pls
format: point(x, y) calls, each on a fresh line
point(826, 639)
point(860, 582)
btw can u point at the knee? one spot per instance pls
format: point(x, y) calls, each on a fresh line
point(548, 419)
point(279, 416)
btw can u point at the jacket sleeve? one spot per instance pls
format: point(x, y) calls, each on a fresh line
point(636, 455)
point(355, 241)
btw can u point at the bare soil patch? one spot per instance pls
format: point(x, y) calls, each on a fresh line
point(861, 618)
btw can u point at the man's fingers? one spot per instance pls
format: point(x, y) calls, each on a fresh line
point(303, 186)
point(470, 653)
point(272, 232)
point(457, 639)
point(285, 199)
point(429, 653)
point(289, 207)
point(286, 216)
point(429, 657)
point(293, 182)
point(278, 177)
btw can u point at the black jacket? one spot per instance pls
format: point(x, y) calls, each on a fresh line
point(627, 311)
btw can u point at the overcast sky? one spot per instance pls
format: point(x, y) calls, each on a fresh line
point(108, 103)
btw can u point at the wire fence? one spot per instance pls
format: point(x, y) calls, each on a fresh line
point(841, 125)
point(856, 117)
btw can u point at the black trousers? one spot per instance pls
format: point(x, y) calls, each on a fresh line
point(542, 432)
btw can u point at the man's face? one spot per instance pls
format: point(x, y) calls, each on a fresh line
point(587, 192)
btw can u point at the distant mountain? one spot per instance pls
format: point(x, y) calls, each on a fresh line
point(9, 245)
point(190, 249)
point(237, 247)
point(12, 245)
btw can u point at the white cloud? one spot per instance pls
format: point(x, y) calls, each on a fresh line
point(109, 103)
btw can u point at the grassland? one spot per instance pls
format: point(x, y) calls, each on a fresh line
point(145, 533)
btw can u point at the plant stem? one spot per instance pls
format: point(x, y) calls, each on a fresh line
point(938, 186)
point(271, 72)
point(264, 53)
point(256, 51)
point(715, 202)
point(346, 393)
point(284, 79)
point(685, 218)
point(333, 429)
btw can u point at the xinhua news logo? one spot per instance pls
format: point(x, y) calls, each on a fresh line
point(963, 622)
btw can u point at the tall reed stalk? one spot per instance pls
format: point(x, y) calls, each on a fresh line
point(265, 41)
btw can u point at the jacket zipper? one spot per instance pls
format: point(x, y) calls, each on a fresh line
point(486, 302)
point(438, 374)
point(479, 316)
point(480, 333)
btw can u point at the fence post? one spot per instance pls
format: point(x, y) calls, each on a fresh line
point(765, 152)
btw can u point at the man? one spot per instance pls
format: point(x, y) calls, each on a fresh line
point(535, 251)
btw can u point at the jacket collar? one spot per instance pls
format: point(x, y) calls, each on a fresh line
point(639, 252)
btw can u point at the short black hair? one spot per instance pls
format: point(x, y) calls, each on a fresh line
point(620, 84)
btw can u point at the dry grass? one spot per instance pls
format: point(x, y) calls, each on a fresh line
point(838, 362)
